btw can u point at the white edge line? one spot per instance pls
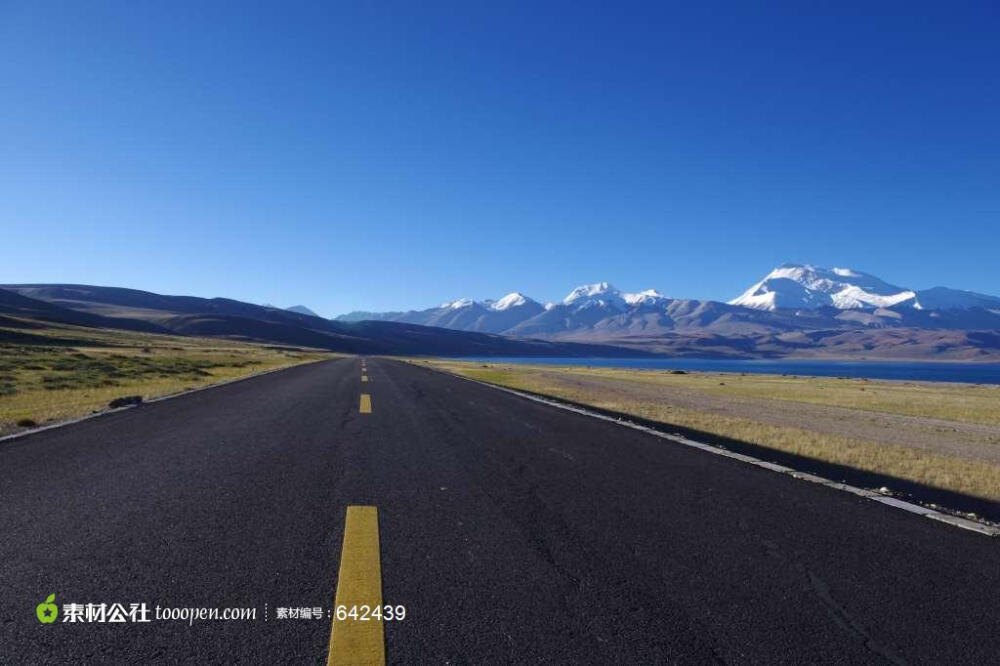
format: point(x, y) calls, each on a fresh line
point(169, 396)
point(956, 521)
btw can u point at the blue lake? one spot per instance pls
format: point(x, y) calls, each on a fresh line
point(977, 373)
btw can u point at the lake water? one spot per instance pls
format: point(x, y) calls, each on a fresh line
point(977, 373)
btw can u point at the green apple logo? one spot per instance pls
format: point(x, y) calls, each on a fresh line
point(47, 612)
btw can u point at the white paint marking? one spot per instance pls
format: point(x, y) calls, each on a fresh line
point(905, 506)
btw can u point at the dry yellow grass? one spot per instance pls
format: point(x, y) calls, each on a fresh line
point(973, 477)
point(968, 403)
point(43, 382)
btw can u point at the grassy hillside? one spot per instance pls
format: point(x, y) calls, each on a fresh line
point(51, 372)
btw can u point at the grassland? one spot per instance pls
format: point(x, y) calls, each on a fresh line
point(942, 435)
point(969, 403)
point(52, 373)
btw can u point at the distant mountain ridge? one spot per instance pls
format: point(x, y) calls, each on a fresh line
point(792, 297)
point(301, 309)
point(24, 306)
point(491, 316)
point(795, 311)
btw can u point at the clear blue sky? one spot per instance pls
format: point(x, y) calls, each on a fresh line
point(390, 155)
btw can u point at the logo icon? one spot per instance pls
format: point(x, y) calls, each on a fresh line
point(47, 611)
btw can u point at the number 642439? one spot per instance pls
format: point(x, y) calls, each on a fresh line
point(366, 613)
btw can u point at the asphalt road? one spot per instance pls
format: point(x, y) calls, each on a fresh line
point(511, 531)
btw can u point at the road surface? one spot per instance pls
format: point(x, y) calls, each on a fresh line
point(512, 532)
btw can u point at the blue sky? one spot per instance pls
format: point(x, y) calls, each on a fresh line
point(390, 155)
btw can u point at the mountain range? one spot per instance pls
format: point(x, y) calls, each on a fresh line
point(27, 307)
point(792, 296)
point(796, 309)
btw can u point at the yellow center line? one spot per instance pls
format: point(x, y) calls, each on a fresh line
point(359, 583)
point(366, 403)
point(364, 378)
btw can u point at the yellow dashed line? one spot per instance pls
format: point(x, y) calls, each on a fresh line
point(364, 378)
point(359, 583)
point(366, 403)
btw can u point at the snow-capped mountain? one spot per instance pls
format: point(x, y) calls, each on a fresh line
point(465, 314)
point(601, 294)
point(805, 286)
point(512, 300)
point(585, 307)
point(507, 312)
point(801, 286)
point(790, 299)
point(647, 297)
point(459, 304)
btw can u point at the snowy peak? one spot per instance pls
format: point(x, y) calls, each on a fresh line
point(598, 293)
point(459, 304)
point(647, 297)
point(588, 291)
point(515, 299)
point(512, 300)
point(806, 286)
